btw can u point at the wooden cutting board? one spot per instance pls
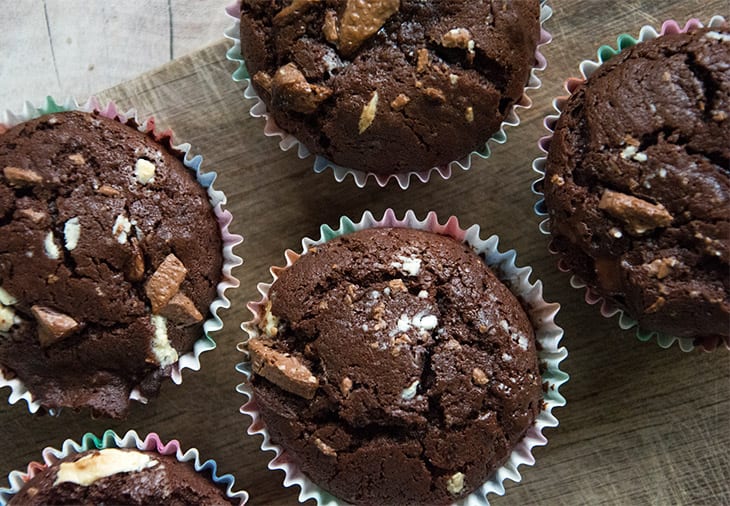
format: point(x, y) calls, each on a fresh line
point(642, 425)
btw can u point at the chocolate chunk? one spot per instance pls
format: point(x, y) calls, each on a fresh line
point(639, 215)
point(281, 369)
point(294, 10)
point(360, 21)
point(399, 102)
point(135, 265)
point(181, 311)
point(329, 28)
point(22, 177)
point(456, 38)
point(367, 116)
point(290, 90)
point(422, 60)
point(108, 191)
point(52, 325)
point(165, 282)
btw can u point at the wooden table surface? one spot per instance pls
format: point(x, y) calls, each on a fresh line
point(642, 425)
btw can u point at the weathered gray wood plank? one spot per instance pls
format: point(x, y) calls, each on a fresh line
point(78, 47)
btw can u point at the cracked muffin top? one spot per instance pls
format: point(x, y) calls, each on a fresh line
point(395, 368)
point(110, 256)
point(120, 476)
point(389, 86)
point(637, 183)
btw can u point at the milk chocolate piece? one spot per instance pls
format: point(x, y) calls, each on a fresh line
point(286, 371)
point(52, 325)
point(22, 177)
point(361, 19)
point(165, 282)
point(639, 215)
point(290, 90)
point(181, 311)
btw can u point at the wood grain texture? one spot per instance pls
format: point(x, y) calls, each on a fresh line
point(642, 425)
point(78, 47)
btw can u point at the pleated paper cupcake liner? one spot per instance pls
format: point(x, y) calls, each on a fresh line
point(321, 164)
point(152, 442)
point(541, 313)
point(609, 309)
point(190, 360)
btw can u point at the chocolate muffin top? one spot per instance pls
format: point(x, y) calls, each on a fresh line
point(110, 256)
point(120, 476)
point(389, 86)
point(637, 183)
point(395, 368)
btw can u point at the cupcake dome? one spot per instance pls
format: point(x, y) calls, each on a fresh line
point(394, 367)
point(637, 186)
point(109, 261)
point(390, 87)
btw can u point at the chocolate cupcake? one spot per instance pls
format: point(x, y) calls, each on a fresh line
point(114, 476)
point(393, 366)
point(637, 186)
point(110, 260)
point(390, 87)
point(121, 470)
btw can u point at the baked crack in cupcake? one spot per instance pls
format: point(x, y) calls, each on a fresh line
point(394, 367)
point(637, 183)
point(109, 259)
point(388, 86)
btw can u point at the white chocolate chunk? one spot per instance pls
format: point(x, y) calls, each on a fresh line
point(522, 341)
point(718, 36)
point(425, 322)
point(368, 113)
point(455, 483)
point(106, 462)
point(161, 348)
point(7, 318)
point(144, 171)
point(270, 323)
point(49, 244)
point(403, 323)
point(628, 152)
point(410, 392)
point(71, 233)
point(6, 299)
point(408, 265)
point(121, 228)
